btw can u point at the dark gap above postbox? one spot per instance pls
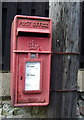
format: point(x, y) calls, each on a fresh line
point(33, 34)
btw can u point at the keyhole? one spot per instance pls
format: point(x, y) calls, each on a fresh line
point(21, 78)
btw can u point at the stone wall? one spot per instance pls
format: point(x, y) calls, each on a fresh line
point(8, 111)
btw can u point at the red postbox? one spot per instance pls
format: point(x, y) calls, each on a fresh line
point(31, 39)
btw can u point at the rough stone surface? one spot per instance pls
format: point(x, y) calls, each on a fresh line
point(81, 80)
point(81, 103)
point(8, 111)
point(0, 84)
point(4, 84)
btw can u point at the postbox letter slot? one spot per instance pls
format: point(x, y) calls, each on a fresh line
point(32, 34)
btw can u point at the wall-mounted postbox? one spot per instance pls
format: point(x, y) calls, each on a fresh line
point(31, 39)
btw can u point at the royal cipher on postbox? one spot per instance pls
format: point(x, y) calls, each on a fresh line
point(31, 40)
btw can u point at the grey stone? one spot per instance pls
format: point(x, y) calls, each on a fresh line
point(4, 84)
point(80, 80)
point(78, 111)
point(9, 111)
point(0, 111)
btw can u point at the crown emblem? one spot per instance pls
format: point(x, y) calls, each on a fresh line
point(33, 45)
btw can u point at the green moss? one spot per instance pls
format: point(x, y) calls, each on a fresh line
point(16, 111)
point(39, 112)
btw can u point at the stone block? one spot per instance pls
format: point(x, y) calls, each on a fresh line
point(0, 84)
point(81, 80)
point(4, 84)
point(81, 107)
point(81, 110)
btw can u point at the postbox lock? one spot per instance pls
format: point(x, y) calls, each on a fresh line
point(33, 55)
point(21, 78)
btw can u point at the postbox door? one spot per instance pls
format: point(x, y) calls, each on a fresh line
point(30, 79)
point(35, 94)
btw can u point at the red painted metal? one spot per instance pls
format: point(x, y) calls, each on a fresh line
point(30, 35)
